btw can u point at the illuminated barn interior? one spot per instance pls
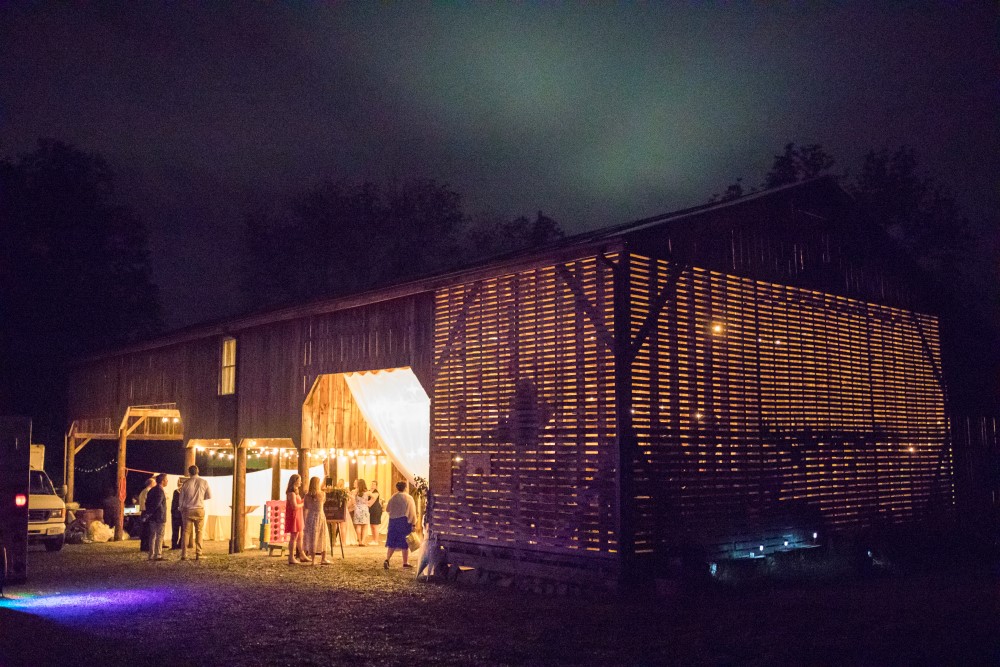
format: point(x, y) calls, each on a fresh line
point(742, 377)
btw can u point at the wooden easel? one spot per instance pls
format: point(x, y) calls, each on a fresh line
point(340, 535)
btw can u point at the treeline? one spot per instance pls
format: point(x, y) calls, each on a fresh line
point(339, 238)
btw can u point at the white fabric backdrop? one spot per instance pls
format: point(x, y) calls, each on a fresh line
point(218, 515)
point(399, 412)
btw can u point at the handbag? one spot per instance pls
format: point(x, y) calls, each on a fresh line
point(413, 542)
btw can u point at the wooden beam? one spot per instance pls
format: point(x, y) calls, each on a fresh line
point(137, 424)
point(86, 439)
point(122, 489)
point(584, 304)
point(70, 467)
point(156, 436)
point(239, 513)
point(276, 476)
point(457, 332)
point(627, 443)
point(154, 412)
point(674, 274)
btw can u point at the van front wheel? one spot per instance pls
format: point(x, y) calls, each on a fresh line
point(55, 544)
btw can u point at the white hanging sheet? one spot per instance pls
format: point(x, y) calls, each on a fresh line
point(398, 411)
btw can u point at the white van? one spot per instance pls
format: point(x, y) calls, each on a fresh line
point(46, 512)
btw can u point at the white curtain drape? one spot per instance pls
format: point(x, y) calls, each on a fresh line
point(398, 411)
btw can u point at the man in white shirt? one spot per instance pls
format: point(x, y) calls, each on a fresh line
point(193, 495)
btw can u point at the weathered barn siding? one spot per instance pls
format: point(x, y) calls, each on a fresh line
point(524, 443)
point(276, 366)
point(185, 373)
point(751, 400)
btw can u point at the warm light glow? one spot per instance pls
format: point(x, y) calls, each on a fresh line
point(20, 500)
point(697, 415)
point(458, 459)
point(177, 420)
point(398, 411)
point(717, 328)
point(165, 420)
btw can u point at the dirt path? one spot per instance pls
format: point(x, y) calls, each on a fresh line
point(104, 604)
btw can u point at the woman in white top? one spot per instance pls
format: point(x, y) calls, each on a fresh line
point(361, 517)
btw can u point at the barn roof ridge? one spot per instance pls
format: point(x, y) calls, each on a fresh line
point(601, 238)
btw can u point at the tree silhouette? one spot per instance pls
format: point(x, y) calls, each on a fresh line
point(337, 238)
point(74, 276)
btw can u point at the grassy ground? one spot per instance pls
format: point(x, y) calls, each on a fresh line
point(104, 604)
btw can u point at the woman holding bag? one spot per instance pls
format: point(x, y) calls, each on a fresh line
point(402, 517)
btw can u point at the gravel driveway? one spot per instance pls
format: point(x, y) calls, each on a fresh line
point(104, 604)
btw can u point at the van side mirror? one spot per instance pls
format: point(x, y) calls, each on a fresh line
point(63, 490)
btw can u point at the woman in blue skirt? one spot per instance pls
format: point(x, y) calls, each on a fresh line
point(402, 513)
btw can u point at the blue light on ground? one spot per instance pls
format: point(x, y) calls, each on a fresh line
point(62, 605)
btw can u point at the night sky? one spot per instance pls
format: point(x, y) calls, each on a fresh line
point(596, 114)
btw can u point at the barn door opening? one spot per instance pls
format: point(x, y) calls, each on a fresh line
point(371, 425)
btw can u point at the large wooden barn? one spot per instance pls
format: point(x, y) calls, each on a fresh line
point(742, 377)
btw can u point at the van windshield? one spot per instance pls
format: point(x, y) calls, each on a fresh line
point(40, 484)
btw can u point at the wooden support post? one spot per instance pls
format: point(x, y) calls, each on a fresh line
point(70, 466)
point(276, 476)
point(122, 489)
point(304, 468)
point(189, 458)
point(239, 513)
point(630, 577)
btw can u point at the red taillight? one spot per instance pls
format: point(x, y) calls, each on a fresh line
point(20, 500)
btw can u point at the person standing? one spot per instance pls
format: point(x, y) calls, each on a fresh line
point(402, 517)
point(144, 525)
point(156, 511)
point(362, 505)
point(194, 493)
point(175, 516)
point(294, 523)
point(314, 532)
point(348, 517)
point(375, 511)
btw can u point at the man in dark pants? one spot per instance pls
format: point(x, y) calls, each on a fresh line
point(144, 533)
point(175, 516)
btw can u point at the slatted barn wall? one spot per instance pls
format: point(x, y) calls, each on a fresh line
point(524, 395)
point(748, 396)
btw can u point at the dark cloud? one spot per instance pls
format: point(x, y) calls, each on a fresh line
point(594, 113)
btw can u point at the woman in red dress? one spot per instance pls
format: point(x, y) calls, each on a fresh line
point(293, 520)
